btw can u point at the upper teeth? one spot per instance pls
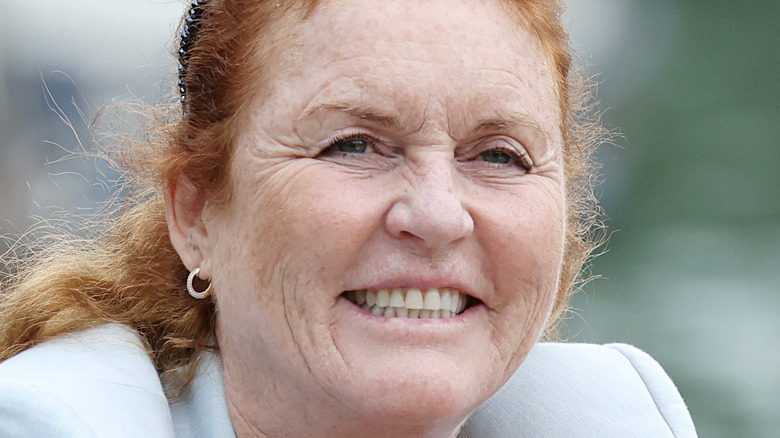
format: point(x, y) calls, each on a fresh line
point(410, 302)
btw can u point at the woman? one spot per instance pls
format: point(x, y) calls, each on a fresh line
point(378, 208)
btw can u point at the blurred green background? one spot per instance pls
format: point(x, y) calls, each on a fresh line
point(692, 269)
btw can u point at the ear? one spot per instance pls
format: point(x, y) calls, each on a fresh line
point(184, 205)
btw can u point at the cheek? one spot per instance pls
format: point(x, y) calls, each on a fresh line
point(525, 239)
point(301, 223)
point(525, 232)
point(322, 219)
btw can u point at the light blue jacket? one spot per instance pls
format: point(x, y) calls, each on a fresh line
point(100, 383)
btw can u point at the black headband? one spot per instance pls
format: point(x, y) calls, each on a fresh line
point(188, 35)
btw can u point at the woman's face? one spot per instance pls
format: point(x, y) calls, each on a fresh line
point(384, 161)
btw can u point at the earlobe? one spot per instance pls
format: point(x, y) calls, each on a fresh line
point(184, 205)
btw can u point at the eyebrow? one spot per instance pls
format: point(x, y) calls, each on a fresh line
point(507, 123)
point(373, 115)
point(359, 112)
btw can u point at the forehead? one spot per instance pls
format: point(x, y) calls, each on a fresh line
point(449, 53)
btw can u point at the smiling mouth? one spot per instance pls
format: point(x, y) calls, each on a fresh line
point(411, 302)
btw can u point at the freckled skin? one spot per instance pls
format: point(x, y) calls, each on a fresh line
point(419, 205)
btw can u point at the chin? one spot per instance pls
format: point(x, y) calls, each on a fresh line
point(420, 389)
point(417, 406)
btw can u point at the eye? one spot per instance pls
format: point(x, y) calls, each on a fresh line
point(358, 149)
point(496, 156)
point(354, 144)
point(505, 155)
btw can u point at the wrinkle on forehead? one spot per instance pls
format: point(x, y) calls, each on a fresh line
point(407, 76)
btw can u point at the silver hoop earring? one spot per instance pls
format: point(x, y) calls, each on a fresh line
point(195, 294)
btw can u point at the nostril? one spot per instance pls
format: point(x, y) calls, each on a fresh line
point(408, 235)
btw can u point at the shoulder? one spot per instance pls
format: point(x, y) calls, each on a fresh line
point(585, 390)
point(96, 383)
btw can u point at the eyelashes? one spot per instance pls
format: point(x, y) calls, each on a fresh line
point(499, 152)
point(507, 155)
point(350, 144)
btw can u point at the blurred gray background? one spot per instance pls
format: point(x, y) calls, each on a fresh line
point(692, 269)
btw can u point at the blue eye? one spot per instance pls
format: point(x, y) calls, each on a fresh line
point(496, 156)
point(351, 145)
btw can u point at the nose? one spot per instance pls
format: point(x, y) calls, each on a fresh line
point(430, 214)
